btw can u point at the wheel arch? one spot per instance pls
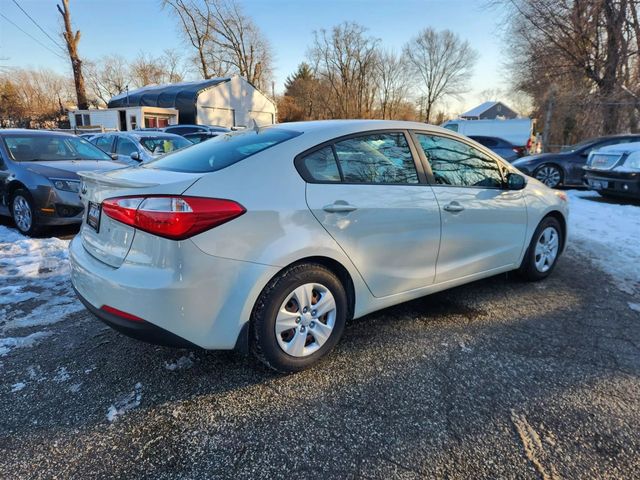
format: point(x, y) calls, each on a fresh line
point(339, 270)
point(11, 189)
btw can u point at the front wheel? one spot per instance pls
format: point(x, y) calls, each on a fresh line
point(550, 175)
point(543, 252)
point(298, 318)
point(22, 212)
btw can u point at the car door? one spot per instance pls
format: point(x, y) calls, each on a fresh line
point(483, 225)
point(368, 193)
point(4, 181)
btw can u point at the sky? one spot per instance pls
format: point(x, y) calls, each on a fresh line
point(134, 26)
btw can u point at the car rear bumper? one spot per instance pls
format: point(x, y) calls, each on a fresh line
point(616, 183)
point(183, 295)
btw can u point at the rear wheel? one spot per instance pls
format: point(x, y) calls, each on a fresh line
point(550, 175)
point(298, 318)
point(543, 252)
point(22, 212)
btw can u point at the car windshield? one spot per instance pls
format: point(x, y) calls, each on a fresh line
point(162, 145)
point(223, 150)
point(26, 147)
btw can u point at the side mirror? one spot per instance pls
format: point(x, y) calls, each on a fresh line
point(135, 156)
point(515, 181)
point(114, 156)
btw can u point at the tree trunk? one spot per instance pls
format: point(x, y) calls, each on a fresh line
point(72, 41)
point(546, 132)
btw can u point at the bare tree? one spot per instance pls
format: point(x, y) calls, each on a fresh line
point(73, 39)
point(393, 83)
point(443, 63)
point(107, 77)
point(226, 40)
point(346, 61)
point(583, 54)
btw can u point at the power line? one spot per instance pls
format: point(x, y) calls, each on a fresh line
point(31, 36)
point(55, 42)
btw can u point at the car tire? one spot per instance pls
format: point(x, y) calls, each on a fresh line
point(282, 305)
point(23, 212)
point(543, 252)
point(550, 175)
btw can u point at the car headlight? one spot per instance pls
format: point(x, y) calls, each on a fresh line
point(66, 185)
point(633, 161)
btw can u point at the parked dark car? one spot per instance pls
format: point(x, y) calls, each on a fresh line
point(565, 167)
point(505, 149)
point(199, 137)
point(187, 129)
point(38, 181)
point(139, 146)
point(614, 171)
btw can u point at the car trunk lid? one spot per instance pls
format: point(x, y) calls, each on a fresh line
point(111, 240)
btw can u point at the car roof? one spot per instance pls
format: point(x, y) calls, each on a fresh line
point(138, 134)
point(317, 126)
point(9, 131)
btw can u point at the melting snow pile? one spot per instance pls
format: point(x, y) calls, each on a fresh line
point(609, 234)
point(35, 289)
point(126, 403)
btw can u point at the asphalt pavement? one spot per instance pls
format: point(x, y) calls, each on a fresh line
point(497, 379)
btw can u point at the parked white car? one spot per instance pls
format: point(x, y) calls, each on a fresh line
point(270, 239)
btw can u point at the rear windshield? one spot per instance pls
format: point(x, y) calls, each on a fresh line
point(222, 151)
point(25, 147)
point(160, 145)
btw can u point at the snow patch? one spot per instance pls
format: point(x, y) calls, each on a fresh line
point(16, 387)
point(75, 388)
point(9, 343)
point(40, 267)
point(181, 363)
point(634, 306)
point(126, 403)
point(62, 375)
point(608, 234)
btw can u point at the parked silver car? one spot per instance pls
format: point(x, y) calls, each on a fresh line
point(272, 238)
point(138, 146)
point(38, 176)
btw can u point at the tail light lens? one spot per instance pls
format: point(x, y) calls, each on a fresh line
point(174, 217)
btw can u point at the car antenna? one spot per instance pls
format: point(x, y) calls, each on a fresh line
point(256, 127)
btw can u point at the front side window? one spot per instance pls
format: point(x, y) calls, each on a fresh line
point(24, 147)
point(457, 164)
point(125, 147)
point(321, 165)
point(377, 158)
point(104, 143)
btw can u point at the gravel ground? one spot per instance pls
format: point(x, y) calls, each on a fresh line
point(497, 379)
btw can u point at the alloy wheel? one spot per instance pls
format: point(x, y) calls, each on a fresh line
point(22, 214)
point(305, 320)
point(549, 175)
point(546, 250)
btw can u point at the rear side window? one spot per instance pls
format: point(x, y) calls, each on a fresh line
point(222, 151)
point(377, 158)
point(321, 165)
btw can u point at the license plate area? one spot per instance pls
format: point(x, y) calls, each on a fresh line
point(94, 211)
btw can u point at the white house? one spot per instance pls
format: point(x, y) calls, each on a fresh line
point(227, 102)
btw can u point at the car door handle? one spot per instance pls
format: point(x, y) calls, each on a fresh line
point(339, 207)
point(453, 207)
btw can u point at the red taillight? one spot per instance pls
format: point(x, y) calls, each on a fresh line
point(173, 217)
point(121, 314)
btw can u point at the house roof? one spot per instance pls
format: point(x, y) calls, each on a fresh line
point(181, 96)
point(479, 110)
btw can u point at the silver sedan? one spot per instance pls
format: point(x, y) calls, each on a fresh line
point(271, 239)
